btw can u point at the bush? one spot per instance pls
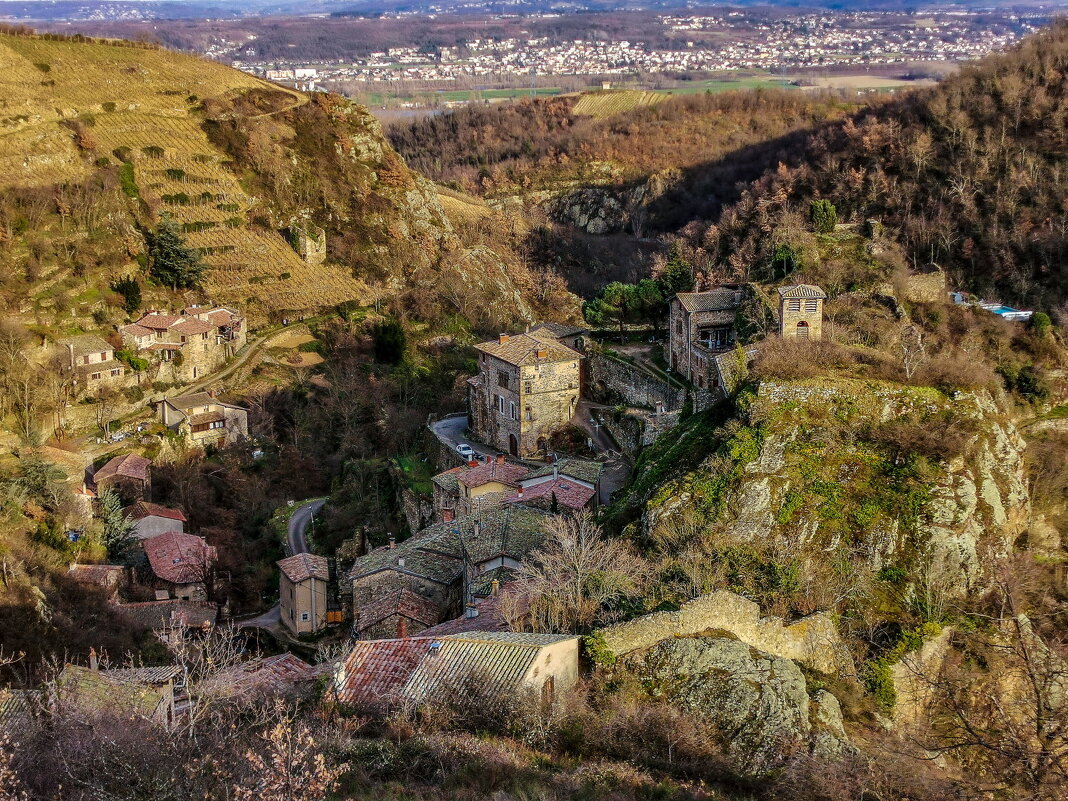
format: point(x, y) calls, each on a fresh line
point(130, 290)
point(126, 180)
point(109, 106)
point(133, 394)
point(390, 341)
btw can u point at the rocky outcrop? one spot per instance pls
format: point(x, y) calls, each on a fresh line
point(758, 704)
point(812, 641)
point(817, 490)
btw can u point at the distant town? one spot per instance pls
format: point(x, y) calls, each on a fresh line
point(695, 44)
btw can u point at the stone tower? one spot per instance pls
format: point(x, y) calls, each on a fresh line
point(801, 311)
point(310, 243)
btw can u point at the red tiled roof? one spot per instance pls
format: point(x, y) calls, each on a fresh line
point(505, 473)
point(143, 509)
point(401, 602)
point(275, 673)
point(129, 465)
point(302, 566)
point(490, 617)
point(568, 493)
point(135, 330)
point(157, 614)
point(159, 322)
point(191, 326)
point(377, 675)
point(178, 558)
point(221, 317)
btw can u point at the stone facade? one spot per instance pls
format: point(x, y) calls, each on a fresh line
point(202, 420)
point(310, 243)
point(528, 387)
point(91, 362)
point(812, 641)
point(187, 346)
point(801, 312)
point(701, 325)
point(611, 380)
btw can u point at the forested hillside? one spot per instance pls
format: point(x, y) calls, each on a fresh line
point(968, 175)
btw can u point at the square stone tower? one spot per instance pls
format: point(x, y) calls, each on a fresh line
point(801, 311)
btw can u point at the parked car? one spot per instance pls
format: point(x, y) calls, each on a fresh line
point(466, 451)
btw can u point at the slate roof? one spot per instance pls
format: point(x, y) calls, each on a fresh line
point(719, 299)
point(143, 509)
point(86, 343)
point(449, 480)
point(402, 602)
point(97, 690)
point(802, 291)
point(523, 349)
point(557, 330)
point(582, 469)
point(569, 494)
point(178, 558)
point(303, 566)
point(159, 614)
point(380, 672)
point(129, 465)
point(437, 552)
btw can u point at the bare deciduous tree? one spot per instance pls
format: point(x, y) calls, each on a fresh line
point(570, 583)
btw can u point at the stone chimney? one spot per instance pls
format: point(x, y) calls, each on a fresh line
point(471, 611)
point(392, 542)
point(502, 338)
point(495, 588)
point(400, 562)
point(519, 494)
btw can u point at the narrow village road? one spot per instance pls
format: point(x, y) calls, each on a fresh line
point(297, 539)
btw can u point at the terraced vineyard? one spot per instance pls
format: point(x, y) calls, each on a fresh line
point(138, 106)
point(608, 104)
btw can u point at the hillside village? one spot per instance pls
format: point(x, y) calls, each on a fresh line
point(352, 497)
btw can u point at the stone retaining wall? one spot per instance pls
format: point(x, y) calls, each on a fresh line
point(612, 380)
point(812, 641)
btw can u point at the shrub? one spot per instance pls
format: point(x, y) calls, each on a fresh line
point(134, 394)
point(103, 161)
point(126, 180)
point(109, 106)
point(390, 341)
point(43, 66)
point(284, 276)
point(130, 358)
point(1041, 323)
point(130, 290)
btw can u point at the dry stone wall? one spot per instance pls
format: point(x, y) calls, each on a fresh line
point(813, 641)
point(611, 380)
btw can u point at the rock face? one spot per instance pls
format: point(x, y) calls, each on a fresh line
point(819, 486)
point(813, 640)
point(758, 704)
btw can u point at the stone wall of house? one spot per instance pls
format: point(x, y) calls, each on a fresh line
point(612, 380)
point(311, 244)
point(548, 398)
point(812, 641)
point(789, 320)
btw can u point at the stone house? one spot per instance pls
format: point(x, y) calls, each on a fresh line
point(467, 488)
point(700, 326)
point(382, 673)
point(470, 488)
point(91, 362)
point(130, 475)
point(527, 388)
point(448, 563)
point(147, 693)
point(202, 420)
point(108, 578)
point(304, 592)
point(801, 311)
point(182, 566)
point(399, 613)
point(151, 519)
point(186, 346)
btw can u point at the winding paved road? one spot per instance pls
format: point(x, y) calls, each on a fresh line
point(297, 542)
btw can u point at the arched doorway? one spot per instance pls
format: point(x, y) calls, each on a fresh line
point(513, 445)
point(543, 444)
point(802, 330)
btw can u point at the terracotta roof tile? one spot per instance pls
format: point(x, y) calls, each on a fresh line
point(143, 509)
point(178, 558)
point(275, 674)
point(569, 494)
point(158, 322)
point(402, 602)
point(802, 291)
point(523, 349)
point(129, 465)
point(303, 566)
point(505, 473)
point(191, 326)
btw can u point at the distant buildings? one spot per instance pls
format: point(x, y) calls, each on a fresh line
point(189, 345)
point(201, 420)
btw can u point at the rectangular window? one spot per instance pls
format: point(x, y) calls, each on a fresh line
point(305, 616)
point(812, 306)
point(116, 372)
point(793, 305)
point(103, 357)
point(500, 404)
point(514, 411)
point(530, 413)
point(502, 379)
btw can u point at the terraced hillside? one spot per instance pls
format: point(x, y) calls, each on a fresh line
point(70, 111)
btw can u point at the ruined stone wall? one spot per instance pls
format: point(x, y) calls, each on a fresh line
point(615, 380)
point(812, 641)
point(633, 430)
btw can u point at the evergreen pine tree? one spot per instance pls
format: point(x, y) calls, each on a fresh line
point(118, 528)
point(171, 261)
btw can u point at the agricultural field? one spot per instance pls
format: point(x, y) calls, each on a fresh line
point(609, 103)
point(136, 110)
point(461, 209)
